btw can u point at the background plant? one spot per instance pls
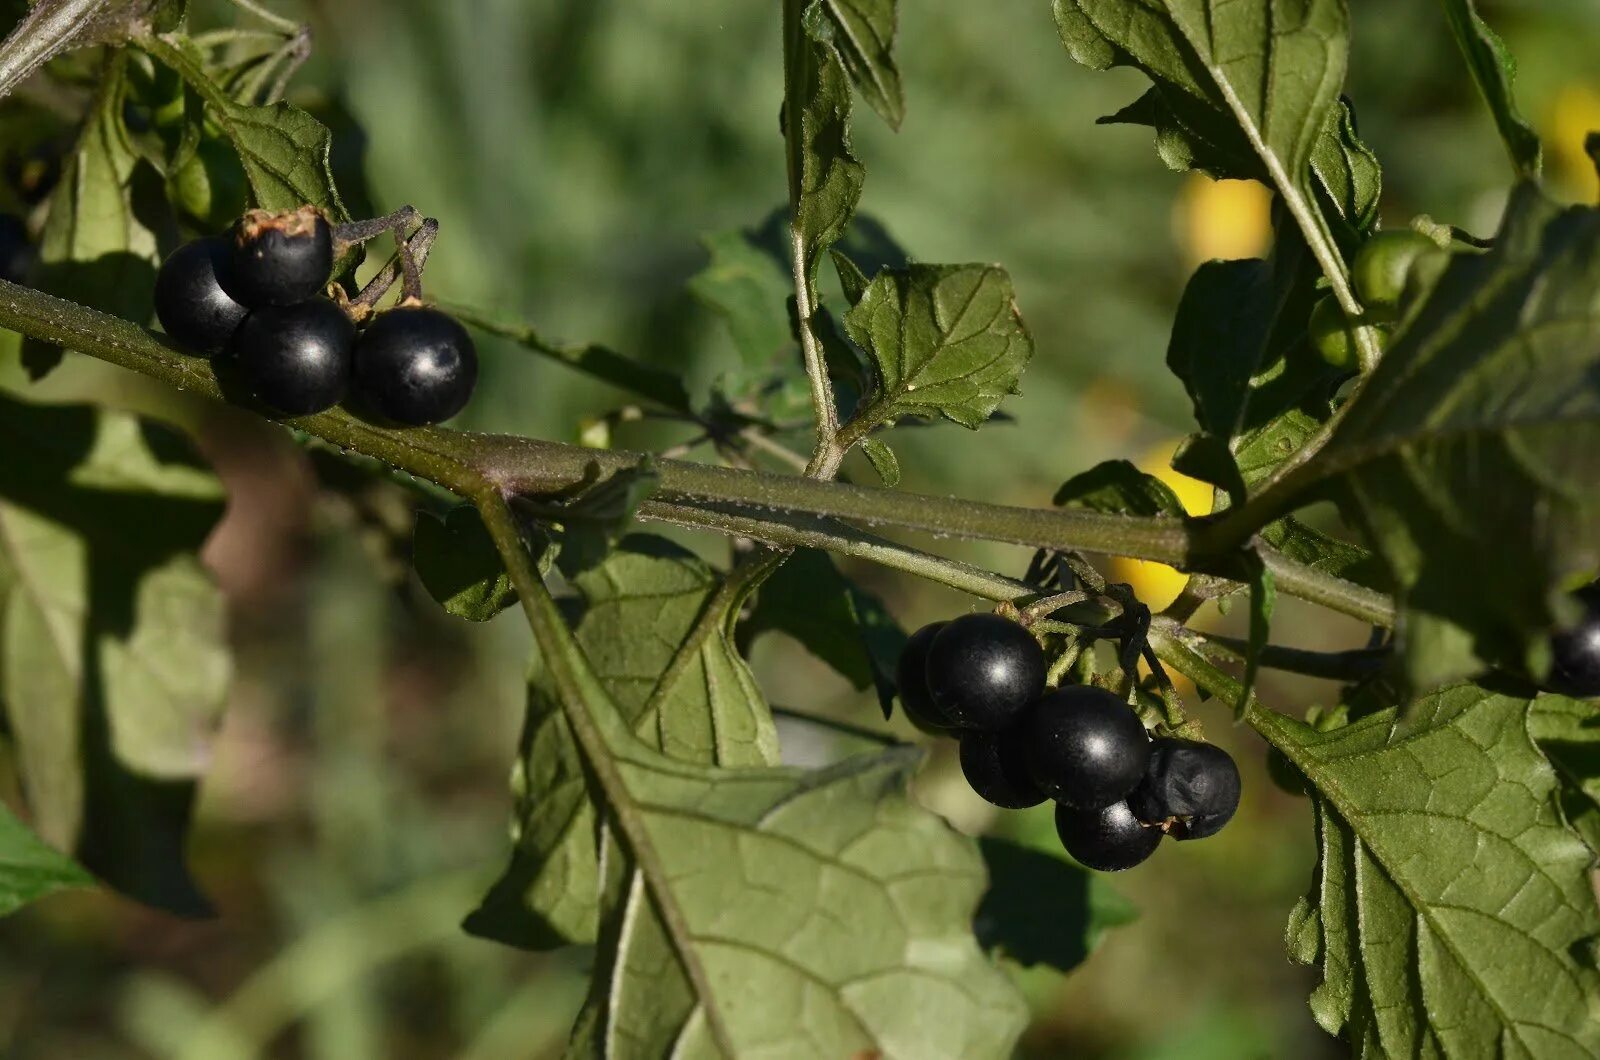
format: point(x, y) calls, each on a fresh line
point(546, 468)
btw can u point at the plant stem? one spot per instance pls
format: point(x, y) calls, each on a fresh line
point(1350, 665)
point(50, 28)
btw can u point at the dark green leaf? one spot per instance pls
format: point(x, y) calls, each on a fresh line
point(851, 279)
point(1043, 909)
point(883, 461)
point(459, 566)
point(825, 177)
point(113, 666)
point(1307, 545)
point(864, 35)
point(947, 341)
point(1451, 909)
point(839, 622)
point(1472, 447)
point(1494, 69)
point(597, 513)
point(748, 289)
point(29, 869)
point(1349, 178)
point(1568, 732)
point(1119, 486)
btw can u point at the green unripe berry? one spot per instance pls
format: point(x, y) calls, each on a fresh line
point(1332, 336)
point(1382, 266)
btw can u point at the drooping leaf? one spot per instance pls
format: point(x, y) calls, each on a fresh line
point(459, 566)
point(655, 622)
point(1119, 486)
point(1042, 909)
point(31, 869)
point(883, 460)
point(864, 35)
point(748, 289)
point(1568, 732)
point(947, 340)
point(1471, 447)
point(1494, 70)
point(825, 177)
point(113, 664)
point(1451, 910)
point(839, 622)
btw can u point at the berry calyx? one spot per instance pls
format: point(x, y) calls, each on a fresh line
point(1084, 747)
point(1383, 266)
point(415, 366)
point(984, 670)
point(1193, 785)
point(295, 359)
point(1575, 651)
point(278, 259)
point(911, 675)
point(194, 309)
point(16, 252)
point(1109, 839)
point(992, 763)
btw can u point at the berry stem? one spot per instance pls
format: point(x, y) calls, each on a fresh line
point(279, 22)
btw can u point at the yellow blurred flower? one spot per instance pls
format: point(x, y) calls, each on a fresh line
point(1222, 219)
point(1157, 584)
point(1573, 114)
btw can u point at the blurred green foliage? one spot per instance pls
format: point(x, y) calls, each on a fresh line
point(576, 152)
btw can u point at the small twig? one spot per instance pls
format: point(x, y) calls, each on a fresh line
point(285, 25)
point(1352, 665)
point(860, 732)
point(421, 243)
point(1049, 605)
point(760, 440)
point(295, 54)
point(410, 268)
point(366, 231)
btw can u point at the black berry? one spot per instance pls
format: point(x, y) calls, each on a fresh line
point(1194, 783)
point(984, 670)
point(1575, 651)
point(992, 763)
point(1109, 839)
point(16, 252)
point(911, 675)
point(1085, 747)
point(295, 359)
point(190, 302)
point(415, 365)
point(278, 259)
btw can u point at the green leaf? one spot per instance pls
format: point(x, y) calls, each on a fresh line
point(1568, 732)
point(598, 512)
point(459, 565)
point(825, 177)
point(852, 281)
point(883, 460)
point(1453, 907)
point(30, 869)
point(284, 150)
point(1472, 447)
point(1263, 598)
point(655, 623)
point(864, 34)
point(1494, 70)
point(839, 622)
point(947, 340)
point(1119, 486)
point(747, 288)
point(113, 658)
point(1042, 909)
point(1328, 555)
point(1349, 178)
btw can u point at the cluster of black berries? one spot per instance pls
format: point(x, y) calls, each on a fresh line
point(255, 298)
point(981, 678)
point(1575, 651)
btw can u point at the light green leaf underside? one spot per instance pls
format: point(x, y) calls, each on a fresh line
point(1452, 910)
point(29, 869)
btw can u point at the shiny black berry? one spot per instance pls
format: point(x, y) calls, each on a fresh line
point(295, 359)
point(1109, 839)
point(278, 259)
point(415, 365)
point(992, 763)
point(911, 675)
point(1084, 746)
point(984, 670)
point(16, 252)
point(190, 302)
point(1194, 783)
point(1575, 651)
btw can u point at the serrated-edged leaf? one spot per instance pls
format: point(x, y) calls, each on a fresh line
point(1494, 69)
point(947, 340)
point(826, 913)
point(748, 289)
point(655, 623)
point(1348, 175)
point(1455, 906)
point(30, 869)
point(1568, 732)
point(825, 177)
point(883, 460)
point(1043, 909)
point(459, 566)
point(840, 623)
point(1119, 486)
point(113, 660)
point(1472, 446)
point(864, 34)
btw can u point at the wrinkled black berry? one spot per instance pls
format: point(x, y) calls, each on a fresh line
point(16, 252)
point(984, 670)
point(992, 763)
point(911, 674)
point(190, 301)
point(1084, 746)
point(295, 359)
point(415, 366)
point(278, 259)
point(1196, 783)
point(1108, 839)
point(1575, 651)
